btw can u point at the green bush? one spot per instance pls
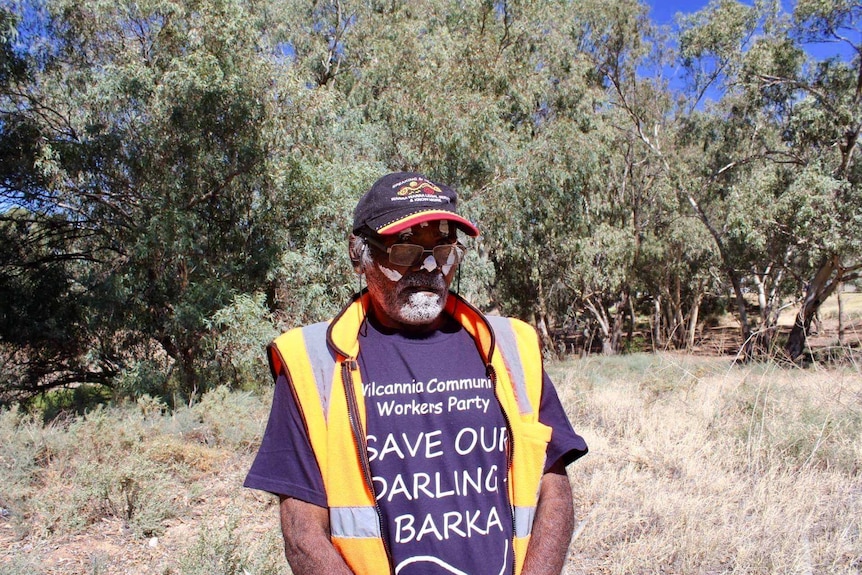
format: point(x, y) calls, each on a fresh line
point(75, 401)
point(221, 548)
point(132, 489)
point(235, 345)
point(217, 551)
point(146, 377)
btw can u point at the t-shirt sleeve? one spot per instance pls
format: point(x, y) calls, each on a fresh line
point(565, 445)
point(285, 464)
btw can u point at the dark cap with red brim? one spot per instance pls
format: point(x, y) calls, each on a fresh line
point(401, 200)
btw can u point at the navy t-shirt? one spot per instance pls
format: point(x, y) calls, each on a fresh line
point(437, 446)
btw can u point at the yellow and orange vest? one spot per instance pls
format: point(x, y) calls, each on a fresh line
point(320, 363)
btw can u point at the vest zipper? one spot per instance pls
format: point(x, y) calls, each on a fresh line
point(347, 367)
point(510, 454)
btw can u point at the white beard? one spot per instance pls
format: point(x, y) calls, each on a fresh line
point(421, 308)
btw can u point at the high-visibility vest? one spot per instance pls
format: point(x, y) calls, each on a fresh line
point(320, 364)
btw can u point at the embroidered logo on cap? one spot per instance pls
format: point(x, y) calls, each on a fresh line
point(419, 187)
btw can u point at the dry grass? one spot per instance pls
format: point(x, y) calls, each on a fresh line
point(696, 467)
point(701, 467)
point(851, 304)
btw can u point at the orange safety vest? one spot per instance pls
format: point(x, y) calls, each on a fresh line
point(320, 363)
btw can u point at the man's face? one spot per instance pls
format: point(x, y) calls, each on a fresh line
point(411, 298)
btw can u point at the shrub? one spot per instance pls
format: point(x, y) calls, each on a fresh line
point(229, 419)
point(222, 548)
point(149, 377)
point(236, 342)
point(133, 489)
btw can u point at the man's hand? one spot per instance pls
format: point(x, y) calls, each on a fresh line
point(307, 546)
point(553, 525)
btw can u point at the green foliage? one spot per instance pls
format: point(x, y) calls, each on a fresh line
point(146, 377)
point(164, 163)
point(227, 419)
point(814, 17)
point(238, 335)
point(132, 489)
point(60, 403)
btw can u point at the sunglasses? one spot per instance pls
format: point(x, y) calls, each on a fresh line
point(409, 255)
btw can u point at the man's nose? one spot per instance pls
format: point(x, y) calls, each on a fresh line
point(429, 263)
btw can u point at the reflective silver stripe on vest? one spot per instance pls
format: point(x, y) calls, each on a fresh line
point(321, 359)
point(354, 522)
point(524, 520)
point(505, 338)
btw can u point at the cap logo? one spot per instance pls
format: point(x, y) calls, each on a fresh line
point(414, 187)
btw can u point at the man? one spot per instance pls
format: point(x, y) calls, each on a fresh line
point(412, 434)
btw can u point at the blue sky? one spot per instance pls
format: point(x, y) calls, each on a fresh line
point(663, 12)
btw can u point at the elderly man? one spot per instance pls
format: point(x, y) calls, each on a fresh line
point(412, 434)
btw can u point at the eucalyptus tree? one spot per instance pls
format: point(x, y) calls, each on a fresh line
point(43, 312)
point(158, 143)
point(652, 253)
point(793, 178)
point(720, 142)
point(825, 101)
point(759, 157)
point(547, 159)
point(486, 96)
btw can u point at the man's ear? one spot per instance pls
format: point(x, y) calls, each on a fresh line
point(356, 247)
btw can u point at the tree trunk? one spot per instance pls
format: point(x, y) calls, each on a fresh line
point(842, 319)
point(669, 334)
point(616, 335)
point(692, 320)
point(743, 313)
point(818, 290)
point(600, 314)
point(542, 323)
point(657, 342)
point(678, 316)
point(731, 274)
point(761, 297)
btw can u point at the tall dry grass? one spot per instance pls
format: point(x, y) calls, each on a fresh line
point(698, 466)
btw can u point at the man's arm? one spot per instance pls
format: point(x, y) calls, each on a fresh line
point(553, 525)
point(307, 546)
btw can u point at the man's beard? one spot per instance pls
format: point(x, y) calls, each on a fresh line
point(421, 308)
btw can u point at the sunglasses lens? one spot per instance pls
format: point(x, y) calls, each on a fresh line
point(405, 254)
point(448, 255)
point(410, 255)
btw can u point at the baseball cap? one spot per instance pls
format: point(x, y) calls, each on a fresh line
point(401, 200)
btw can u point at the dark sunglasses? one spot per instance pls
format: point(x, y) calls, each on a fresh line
point(409, 255)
